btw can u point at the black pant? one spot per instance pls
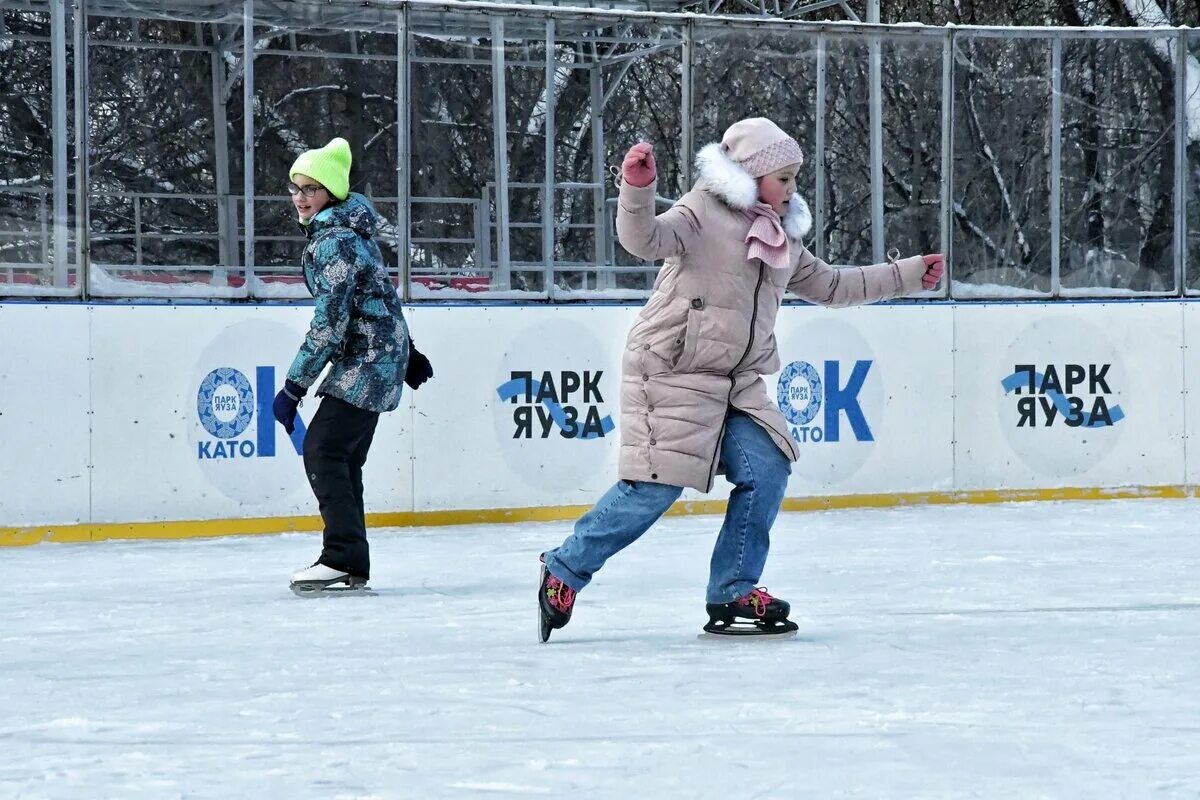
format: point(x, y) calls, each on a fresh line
point(335, 449)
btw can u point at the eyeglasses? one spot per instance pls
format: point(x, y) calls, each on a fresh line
point(308, 191)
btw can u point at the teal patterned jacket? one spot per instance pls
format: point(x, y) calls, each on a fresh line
point(358, 323)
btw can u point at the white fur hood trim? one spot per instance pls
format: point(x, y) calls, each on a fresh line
point(798, 221)
point(737, 189)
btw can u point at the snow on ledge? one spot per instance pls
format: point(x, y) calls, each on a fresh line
point(419, 291)
point(600, 294)
point(102, 283)
point(993, 291)
point(27, 290)
point(278, 290)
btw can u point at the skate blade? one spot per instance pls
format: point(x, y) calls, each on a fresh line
point(744, 635)
point(339, 586)
point(785, 629)
point(543, 628)
point(335, 591)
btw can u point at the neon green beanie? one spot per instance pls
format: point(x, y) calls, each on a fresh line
point(328, 166)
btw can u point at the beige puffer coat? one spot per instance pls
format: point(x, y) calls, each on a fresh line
point(706, 335)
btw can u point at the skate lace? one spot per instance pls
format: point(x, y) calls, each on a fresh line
point(559, 594)
point(758, 599)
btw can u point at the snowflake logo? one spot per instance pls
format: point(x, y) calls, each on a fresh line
point(800, 392)
point(225, 403)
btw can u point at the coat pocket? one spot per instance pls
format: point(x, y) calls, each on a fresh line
point(714, 339)
point(688, 338)
point(659, 333)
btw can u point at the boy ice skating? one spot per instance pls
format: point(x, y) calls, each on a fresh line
point(359, 327)
point(693, 402)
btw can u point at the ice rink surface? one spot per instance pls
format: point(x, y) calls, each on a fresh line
point(1025, 650)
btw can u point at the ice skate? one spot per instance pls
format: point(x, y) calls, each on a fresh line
point(756, 613)
point(556, 600)
point(319, 579)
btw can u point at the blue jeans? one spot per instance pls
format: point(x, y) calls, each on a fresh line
point(758, 471)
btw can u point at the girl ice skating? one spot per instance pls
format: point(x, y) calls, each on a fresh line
point(693, 402)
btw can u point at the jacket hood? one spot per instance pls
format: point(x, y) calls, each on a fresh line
point(735, 187)
point(355, 212)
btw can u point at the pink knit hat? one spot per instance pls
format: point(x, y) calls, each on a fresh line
point(760, 147)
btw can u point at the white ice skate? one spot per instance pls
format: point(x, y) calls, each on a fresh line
point(319, 578)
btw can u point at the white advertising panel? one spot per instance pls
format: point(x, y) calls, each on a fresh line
point(1068, 395)
point(1191, 374)
point(867, 393)
point(183, 424)
point(524, 407)
point(44, 469)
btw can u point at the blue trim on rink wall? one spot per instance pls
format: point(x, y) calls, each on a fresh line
point(590, 303)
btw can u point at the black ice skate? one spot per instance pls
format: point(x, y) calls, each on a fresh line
point(319, 579)
point(753, 614)
point(555, 603)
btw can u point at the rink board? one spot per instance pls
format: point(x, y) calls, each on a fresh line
point(45, 472)
point(153, 451)
point(1088, 394)
point(866, 392)
point(523, 407)
point(151, 420)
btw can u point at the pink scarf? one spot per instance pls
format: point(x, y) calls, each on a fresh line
point(767, 239)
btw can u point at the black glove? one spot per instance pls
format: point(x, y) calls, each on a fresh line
point(285, 404)
point(419, 370)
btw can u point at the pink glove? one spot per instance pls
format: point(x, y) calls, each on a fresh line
point(638, 167)
point(935, 266)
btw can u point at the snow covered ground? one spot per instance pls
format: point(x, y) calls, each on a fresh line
point(1035, 650)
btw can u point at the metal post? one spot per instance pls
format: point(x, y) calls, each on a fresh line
point(58, 69)
point(1181, 138)
point(137, 230)
point(82, 269)
point(876, 93)
point(819, 155)
point(226, 227)
point(248, 134)
point(484, 214)
point(500, 142)
point(548, 214)
point(1055, 166)
point(43, 231)
point(403, 153)
point(604, 280)
point(688, 144)
point(947, 237)
point(1182, 176)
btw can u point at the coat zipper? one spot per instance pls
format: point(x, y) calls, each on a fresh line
point(712, 470)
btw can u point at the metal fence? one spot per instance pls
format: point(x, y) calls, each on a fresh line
point(1045, 163)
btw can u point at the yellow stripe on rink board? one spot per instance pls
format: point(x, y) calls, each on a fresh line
point(175, 529)
point(984, 496)
point(195, 529)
